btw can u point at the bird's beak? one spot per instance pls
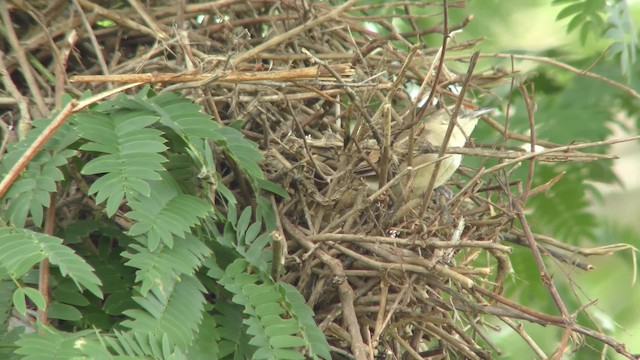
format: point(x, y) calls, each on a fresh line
point(479, 112)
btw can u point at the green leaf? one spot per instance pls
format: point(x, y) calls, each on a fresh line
point(138, 345)
point(167, 215)
point(233, 333)
point(205, 346)
point(286, 341)
point(129, 154)
point(243, 223)
point(49, 343)
point(316, 342)
point(272, 187)
point(20, 301)
point(36, 297)
point(575, 22)
point(163, 267)
point(64, 312)
point(175, 311)
point(118, 302)
point(7, 289)
point(20, 249)
point(69, 296)
point(570, 10)
point(278, 319)
point(31, 192)
point(17, 253)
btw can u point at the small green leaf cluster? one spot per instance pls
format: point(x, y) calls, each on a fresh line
point(598, 17)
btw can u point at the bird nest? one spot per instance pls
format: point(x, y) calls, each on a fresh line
point(318, 86)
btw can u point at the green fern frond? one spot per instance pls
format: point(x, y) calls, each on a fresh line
point(6, 289)
point(130, 154)
point(31, 192)
point(54, 344)
point(623, 32)
point(205, 346)
point(163, 267)
point(249, 239)
point(278, 319)
point(134, 345)
point(565, 207)
point(175, 311)
point(21, 249)
point(588, 15)
point(315, 341)
point(186, 119)
point(167, 214)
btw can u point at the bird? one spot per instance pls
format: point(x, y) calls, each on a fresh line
point(430, 132)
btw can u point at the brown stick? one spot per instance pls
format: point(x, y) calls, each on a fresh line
point(347, 298)
point(35, 147)
point(310, 73)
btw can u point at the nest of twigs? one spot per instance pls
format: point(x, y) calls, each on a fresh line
point(302, 76)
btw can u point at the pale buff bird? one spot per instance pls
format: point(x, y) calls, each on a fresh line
point(431, 133)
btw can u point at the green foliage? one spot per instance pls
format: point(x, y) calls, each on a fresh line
point(53, 344)
point(565, 210)
point(30, 193)
point(174, 311)
point(150, 160)
point(623, 32)
point(6, 289)
point(279, 322)
point(277, 314)
point(131, 153)
point(21, 249)
point(177, 268)
point(162, 268)
point(248, 239)
point(589, 16)
point(20, 299)
point(235, 339)
point(136, 345)
point(168, 215)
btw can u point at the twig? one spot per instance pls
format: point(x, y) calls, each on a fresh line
point(570, 68)
point(544, 275)
point(92, 36)
point(23, 107)
point(567, 259)
point(43, 271)
point(290, 75)
point(518, 328)
point(22, 60)
point(452, 124)
point(119, 19)
point(360, 350)
point(557, 150)
point(149, 20)
point(400, 241)
point(531, 108)
point(291, 33)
